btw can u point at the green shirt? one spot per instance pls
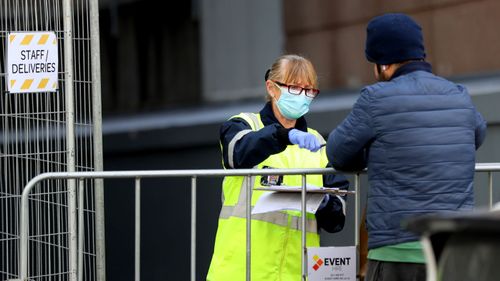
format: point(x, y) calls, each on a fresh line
point(404, 252)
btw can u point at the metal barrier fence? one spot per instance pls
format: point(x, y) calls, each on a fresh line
point(194, 175)
point(51, 132)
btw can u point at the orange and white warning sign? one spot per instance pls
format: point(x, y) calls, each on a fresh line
point(32, 62)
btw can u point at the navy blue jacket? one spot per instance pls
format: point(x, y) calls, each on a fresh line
point(417, 133)
point(257, 146)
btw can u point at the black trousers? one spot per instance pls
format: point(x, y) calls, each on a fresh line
point(395, 271)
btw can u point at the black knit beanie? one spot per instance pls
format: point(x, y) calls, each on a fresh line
point(393, 38)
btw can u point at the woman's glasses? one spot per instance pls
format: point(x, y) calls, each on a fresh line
point(297, 90)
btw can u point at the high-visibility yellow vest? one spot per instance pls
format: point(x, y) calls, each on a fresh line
point(276, 236)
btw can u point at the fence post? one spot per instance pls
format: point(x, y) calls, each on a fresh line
point(70, 134)
point(23, 238)
point(72, 230)
point(249, 226)
point(490, 187)
point(137, 229)
point(193, 229)
point(81, 226)
point(357, 199)
point(95, 55)
point(304, 230)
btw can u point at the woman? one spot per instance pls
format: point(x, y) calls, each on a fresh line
point(276, 137)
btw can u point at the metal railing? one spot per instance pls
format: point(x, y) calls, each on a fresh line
point(194, 175)
point(51, 131)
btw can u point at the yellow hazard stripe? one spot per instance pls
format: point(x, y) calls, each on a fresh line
point(27, 39)
point(12, 82)
point(27, 84)
point(12, 37)
point(43, 83)
point(43, 39)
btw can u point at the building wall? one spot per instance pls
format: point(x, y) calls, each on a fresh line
point(197, 52)
point(240, 40)
point(150, 56)
point(205, 52)
point(460, 35)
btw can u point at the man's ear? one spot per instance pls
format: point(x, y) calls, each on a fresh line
point(380, 71)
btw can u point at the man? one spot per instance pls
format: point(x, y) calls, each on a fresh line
point(417, 133)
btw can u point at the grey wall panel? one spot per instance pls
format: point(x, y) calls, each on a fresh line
point(240, 39)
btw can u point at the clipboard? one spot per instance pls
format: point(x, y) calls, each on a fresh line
point(283, 197)
point(310, 189)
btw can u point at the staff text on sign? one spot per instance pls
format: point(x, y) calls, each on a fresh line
point(37, 67)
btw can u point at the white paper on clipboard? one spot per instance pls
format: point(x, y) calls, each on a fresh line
point(310, 189)
point(280, 198)
point(280, 201)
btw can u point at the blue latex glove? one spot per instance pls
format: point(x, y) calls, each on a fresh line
point(304, 140)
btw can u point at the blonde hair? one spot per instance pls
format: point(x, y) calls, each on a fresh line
point(292, 69)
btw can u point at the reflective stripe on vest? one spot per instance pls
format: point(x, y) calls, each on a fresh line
point(277, 218)
point(232, 143)
point(255, 120)
point(254, 124)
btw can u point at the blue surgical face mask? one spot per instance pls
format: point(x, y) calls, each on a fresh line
point(292, 106)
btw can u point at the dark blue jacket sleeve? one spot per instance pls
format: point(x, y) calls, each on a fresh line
point(254, 147)
point(330, 214)
point(347, 144)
